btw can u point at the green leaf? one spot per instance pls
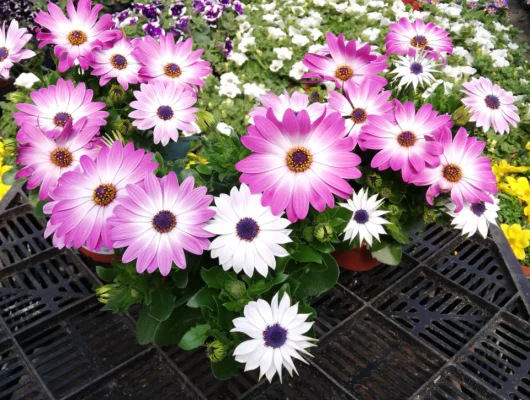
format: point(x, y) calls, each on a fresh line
point(182, 319)
point(323, 247)
point(390, 254)
point(204, 298)
point(176, 150)
point(106, 274)
point(162, 303)
point(306, 254)
point(397, 233)
point(194, 337)
point(39, 209)
point(306, 309)
point(146, 327)
point(8, 178)
point(226, 368)
point(204, 169)
point(263, 286)
point(314, 282)
point(216, 278)
point(179, 278)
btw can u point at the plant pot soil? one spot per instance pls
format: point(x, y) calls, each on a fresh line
point(104, 256)
point(526, 270)
point(358, 259)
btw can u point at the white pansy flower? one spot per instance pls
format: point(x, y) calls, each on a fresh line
point(268, 7)
point(314, 34)
point(371, 34)
point(229, 90)
point(300, 40)
point(245, 43)
point(320, 3)
point(275, 33)
point(276, 65)
point(374, 15)
point(229, 77)
point(298, 70)
point(26, 80)
point(253, 90)
point(283, 53)
point(224, 128)
point(238, 58)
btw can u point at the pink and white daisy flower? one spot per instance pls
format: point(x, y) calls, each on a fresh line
point(279, 104)
point(166, 106)
point(490, 105)
point(57, 104)
point(75, 37)
point(84, 199)
point(406, 144)
point(168, 61)
point(158, 222)
point(11, 47)
point(406, 36)
point(360, 101)
point(117, 62)
point(45, 160)
point(462, 171)
point(296, 163)
point(347, 60)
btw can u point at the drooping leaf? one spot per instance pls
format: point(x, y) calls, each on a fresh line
point(146, 327)
point(180, 321)
point(106, 274)
point(226, 368)
point(162, 303)
point(314, 281)
point(194, 337)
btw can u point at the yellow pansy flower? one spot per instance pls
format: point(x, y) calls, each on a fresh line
point(4, 188)
point(503, 168)
point(520, 187)
point(527, 209)
point(197, 159)
point(518, 238)
point(527, 147)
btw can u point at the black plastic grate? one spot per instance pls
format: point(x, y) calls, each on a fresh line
point(517, 307)
point(15, 197)
point(435, 310)
point(15, 380)
point(499, 358)
point(453, 384)
point(428, 240)
point(41, 289)
point(375, 360)
point(369, 284)
point(21, 235)
point(476, 265)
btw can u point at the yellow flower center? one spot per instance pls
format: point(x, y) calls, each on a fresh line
point(61, 158)
point(358, 115)
point(104, 194)
point(77, 38)
point(452, 172)
point(3, 53)
point(118, 61)
point(344, 73)
point(406, 139)
point(172, 70)
point(299, 159)
point(419, 42)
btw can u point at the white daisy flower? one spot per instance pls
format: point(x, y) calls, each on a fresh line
point(249, 234)
point(366, 221)
point(277, 336)
point(474, 216)
point(416, 70)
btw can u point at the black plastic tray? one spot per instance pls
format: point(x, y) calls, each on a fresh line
point(450, 322)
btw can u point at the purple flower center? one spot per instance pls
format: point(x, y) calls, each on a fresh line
point(419, 41)
point(358, 115)
point(247, 229)
point(165, 112)
point(299, 159)
point(344, 73)
point(104, 194)
point(118, 61)
point(61, 158)
point(406, 139)
point(164, 221)
point(177, 9)
point(172, 70)
point(492, 102)
point(77, 38)
point(275, 336)
point(3, 53)
point(361, 216)
point(416, 68)
point(452, 172)
point(61, 118)
point(478, 208)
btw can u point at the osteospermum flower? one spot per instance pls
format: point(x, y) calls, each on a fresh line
point(250, 235)
point(347, 60)
point(57, 104)
point(358, 102)
point(169, 61)
point(474, 216)
point(277, 336)
point(45, 159)
point(11, 47)
point(165, 106)
point(297, 163)
point(461, 171)
point(117, 62)
point(158, 222)
point(490, 105)
point(279, 104)
point(75, 37)
point(416, 70)
point(405, 144)
point(85, 198)
point(406, 36)
point(366, 222)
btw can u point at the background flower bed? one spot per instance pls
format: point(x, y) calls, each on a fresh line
point(270, 40)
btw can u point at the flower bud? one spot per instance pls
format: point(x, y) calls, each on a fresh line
point(103, 293)
point(116, 93)
point(235, 288)
point(429, 216)
point(385, 192)
point(215, 351)
point(323, 233)
point(374, 181)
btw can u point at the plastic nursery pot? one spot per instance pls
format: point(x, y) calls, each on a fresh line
point(104, 256)
point(358, 259)
point(526, 270)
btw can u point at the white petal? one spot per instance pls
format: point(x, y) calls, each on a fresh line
point(265, 310)
point(248, 347)
point(266, 361)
